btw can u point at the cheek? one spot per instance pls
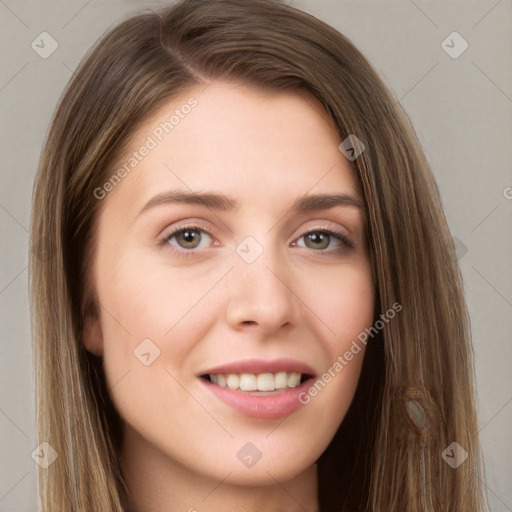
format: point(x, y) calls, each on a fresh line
point(346, 306)
point(146, 318)
point(343, 300)
point(149, 299)
point(355, 307)
point(142, 302)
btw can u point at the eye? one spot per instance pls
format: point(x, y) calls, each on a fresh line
point(322, 239)
point(188, 237)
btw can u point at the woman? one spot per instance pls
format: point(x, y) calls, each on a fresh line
point(198, 345)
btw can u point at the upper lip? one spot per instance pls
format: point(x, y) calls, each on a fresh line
point(262, 366)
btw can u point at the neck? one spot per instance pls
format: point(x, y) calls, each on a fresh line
point(158, 484)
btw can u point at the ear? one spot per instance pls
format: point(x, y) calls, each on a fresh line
point(92, 334)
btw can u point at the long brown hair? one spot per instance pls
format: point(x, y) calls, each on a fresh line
point(416, 392)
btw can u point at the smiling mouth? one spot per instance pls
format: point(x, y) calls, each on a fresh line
point(258, 383)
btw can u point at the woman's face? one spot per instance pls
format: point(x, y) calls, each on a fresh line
point(213, 270)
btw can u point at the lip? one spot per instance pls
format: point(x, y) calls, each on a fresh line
point(265, 406)
point(276, 406)
point(262, 366)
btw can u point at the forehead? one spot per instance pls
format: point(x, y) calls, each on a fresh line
point(258, 146)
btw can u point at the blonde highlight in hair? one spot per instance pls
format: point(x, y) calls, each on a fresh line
point(416, 392)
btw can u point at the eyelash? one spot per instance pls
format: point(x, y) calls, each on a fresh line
point(346, 244)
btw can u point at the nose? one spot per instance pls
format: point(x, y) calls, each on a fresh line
point(261, 295)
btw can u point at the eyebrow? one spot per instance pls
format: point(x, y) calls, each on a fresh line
point(222, 202)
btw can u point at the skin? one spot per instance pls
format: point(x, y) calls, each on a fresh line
point(298, 299)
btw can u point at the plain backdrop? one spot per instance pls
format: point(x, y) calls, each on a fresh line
point(460, 107)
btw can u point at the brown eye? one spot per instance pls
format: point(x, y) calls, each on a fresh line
point(318, 239)
point(187, 238)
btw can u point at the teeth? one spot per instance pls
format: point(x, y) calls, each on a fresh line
point(257, 382)
point(265, 382)
point(293, 380)
point(233, 381)
point(248, 382)
point(281, 380)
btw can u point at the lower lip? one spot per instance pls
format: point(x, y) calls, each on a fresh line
point(265, 406)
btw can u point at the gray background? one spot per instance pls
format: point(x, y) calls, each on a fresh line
point(461, 109)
